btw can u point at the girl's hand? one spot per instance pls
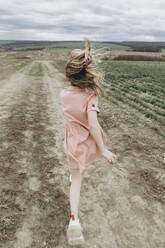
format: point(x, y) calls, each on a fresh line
point(111, 157)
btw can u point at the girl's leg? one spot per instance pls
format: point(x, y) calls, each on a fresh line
point(75, 191)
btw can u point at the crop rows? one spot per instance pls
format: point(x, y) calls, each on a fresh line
point(140, 85)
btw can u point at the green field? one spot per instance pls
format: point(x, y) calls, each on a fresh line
point(6, 42)
point(80, 45)
point(63, 44)
point(61, 63)
point(141, 85)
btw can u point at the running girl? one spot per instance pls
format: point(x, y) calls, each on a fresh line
point(85, 140)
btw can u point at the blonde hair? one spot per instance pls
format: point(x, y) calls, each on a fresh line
point(81, 71)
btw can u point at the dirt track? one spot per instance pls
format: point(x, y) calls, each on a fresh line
point(120, 207)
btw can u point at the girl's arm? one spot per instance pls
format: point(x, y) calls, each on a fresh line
point(94, 128)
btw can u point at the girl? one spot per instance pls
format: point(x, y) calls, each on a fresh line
point(84, 138)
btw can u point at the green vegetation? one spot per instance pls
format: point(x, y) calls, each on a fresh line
point(6, 42)
point(109, 46)
point(36, 69)
point(61, 63)
point(62, 44)
point(140, 85)
point(163, 50)
point(80, 45)
point(95, 45)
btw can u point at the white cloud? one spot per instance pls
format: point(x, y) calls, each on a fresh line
point(114, 20)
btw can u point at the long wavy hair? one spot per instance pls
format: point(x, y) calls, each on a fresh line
point(81, 70)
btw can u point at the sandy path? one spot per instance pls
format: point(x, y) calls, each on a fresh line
point(119, 207)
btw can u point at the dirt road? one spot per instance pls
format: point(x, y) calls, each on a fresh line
point(120, 207)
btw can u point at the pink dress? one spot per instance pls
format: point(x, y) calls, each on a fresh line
point(79, 144)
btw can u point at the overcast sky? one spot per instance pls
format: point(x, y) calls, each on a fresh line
point(104, 20)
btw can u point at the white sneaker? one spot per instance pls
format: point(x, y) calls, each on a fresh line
point(74, 232)
point(70, 178)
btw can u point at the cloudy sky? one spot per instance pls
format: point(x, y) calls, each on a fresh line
point(102, 20)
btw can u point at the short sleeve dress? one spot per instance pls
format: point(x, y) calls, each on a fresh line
point(80, 146)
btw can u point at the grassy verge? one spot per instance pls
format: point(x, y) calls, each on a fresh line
point(36, 70)
point(60, 64)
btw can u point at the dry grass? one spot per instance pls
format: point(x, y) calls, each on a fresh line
point(140, 58)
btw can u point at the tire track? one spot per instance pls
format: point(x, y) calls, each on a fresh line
point(53, 199)
point(29, 161)
point(11, 90)
point(18, 167)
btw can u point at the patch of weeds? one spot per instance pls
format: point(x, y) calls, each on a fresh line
point(36, 70)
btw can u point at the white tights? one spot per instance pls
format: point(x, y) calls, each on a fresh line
point(75, 191)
